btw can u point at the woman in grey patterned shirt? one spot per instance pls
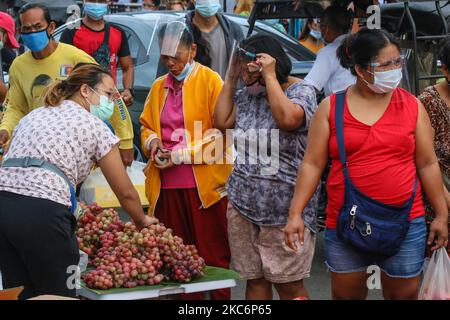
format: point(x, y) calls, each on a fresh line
point(270, 117)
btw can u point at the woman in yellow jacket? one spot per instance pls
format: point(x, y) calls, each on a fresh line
point(187, 169)
point(311, 36)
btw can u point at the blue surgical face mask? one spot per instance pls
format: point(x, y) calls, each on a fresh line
point(316, 34)
point(207, 8)
point(96, 11)
point(36, 41)
point(104, 110)
point(186, 71)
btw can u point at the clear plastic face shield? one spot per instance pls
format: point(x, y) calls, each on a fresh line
point(387, 74)
point(388, 65)
point(249, 65)
point(242, 66)
point(170, 39)
point(242, 63)
point(232, 69)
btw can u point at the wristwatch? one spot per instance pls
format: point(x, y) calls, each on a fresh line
point(133, 93)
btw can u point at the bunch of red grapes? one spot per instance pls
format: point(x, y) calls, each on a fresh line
point(125, 257)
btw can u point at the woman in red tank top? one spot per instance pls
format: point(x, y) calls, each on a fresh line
point(388, 141)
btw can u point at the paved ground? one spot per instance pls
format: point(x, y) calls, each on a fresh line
point(318, 284)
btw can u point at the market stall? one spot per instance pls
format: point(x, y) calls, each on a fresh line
point(120, 262)
point(213, 279)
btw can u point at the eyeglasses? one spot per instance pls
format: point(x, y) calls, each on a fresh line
point(242, 53)
point(111, 94)
point(397, 63)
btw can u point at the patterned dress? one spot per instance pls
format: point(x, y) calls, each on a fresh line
point(261, 187)
point(69, 137)
point(439, 113)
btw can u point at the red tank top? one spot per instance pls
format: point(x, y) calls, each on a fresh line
point(381, 157)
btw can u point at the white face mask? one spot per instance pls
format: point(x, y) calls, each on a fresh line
point(385, 81)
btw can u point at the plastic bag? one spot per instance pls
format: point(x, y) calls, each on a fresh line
point(436, 282)
point(96, 188)
point(84, 260)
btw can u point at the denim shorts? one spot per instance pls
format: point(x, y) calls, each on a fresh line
point(408, 262)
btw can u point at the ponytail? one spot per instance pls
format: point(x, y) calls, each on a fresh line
point(344, 52)
point(83, 73)
point(56, 92)
point(363, 47)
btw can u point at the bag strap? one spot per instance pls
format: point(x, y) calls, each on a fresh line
point(106, 37)
point(29, 162)
point(339, 124)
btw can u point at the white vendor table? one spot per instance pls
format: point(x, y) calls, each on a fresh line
point(138, 294)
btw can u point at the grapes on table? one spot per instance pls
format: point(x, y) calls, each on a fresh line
point(124, 257)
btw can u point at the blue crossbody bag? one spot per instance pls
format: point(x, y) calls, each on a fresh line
point(367, 224)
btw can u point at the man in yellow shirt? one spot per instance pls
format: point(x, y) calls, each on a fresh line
point(48, 60)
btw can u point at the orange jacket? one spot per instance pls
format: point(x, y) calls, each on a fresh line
point(311, 45)
point(200, 92)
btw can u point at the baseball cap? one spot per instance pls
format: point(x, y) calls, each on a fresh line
point(7, 24)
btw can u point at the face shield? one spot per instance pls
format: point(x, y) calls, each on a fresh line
point(248, 62)
point(170, 38)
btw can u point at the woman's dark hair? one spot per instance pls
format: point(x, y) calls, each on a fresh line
point(186, 39)
point(444, 51)
point(261, 43)
point(202, 56)
point(190, 6)
point(306, 30)
point(363, 47)
point(83, 73)
point(34, 5)
point(339, 18)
